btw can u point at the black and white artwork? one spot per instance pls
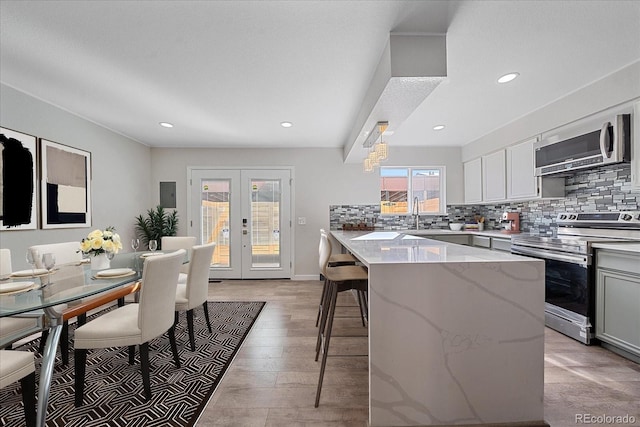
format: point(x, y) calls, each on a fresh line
point(65, 186)
point(18, 195)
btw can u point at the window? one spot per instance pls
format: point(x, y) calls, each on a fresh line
point(402, 190)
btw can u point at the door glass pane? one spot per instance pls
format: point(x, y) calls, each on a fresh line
point(265, 223)
point(215, 219)
point(394, 186)
point(425, 185)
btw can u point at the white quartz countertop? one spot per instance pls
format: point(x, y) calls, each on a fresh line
point(398, 247)
point(624, 247)
point(435, 232)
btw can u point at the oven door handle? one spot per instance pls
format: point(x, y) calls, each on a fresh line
point(573, 259)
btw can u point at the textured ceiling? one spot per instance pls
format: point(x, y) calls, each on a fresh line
point(226, 73)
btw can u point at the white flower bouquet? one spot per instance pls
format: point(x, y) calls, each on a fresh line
point(99, 242)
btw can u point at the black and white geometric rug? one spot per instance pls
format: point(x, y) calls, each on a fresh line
point(113, 389)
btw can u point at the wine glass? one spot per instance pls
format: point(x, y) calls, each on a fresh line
point(49, 261)
point(31, 259)
point(153, 245)
point(135, 244)
point(110, 255)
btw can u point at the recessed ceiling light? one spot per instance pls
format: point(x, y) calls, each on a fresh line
point(166, 125)
point(508, 77)
point(286, 124)
point(438, 127)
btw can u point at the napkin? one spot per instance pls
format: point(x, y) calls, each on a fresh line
point(14, 286)
point(114, 272)
point(146, 254)
point(29, 273)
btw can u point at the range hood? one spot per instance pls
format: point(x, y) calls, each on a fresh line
point(410, 68)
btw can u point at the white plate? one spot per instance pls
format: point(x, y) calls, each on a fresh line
point(146, 254)
point(14, 286)
point(30, 273)
point(114, 272)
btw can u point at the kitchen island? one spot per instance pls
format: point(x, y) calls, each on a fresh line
point(456, 333)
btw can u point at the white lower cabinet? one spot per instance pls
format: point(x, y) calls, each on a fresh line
point(460, 239)
point(501, 244)
point(618, 301)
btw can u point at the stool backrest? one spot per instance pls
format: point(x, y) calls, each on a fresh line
point(325, 253)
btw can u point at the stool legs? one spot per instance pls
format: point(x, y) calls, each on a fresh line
point(333, 296)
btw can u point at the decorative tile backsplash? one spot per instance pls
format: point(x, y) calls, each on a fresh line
point(607, 188)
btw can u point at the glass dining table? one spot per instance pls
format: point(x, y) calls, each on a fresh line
point(65, 288)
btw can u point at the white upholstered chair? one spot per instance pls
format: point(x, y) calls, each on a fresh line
point(5, 262)
point(135, 324)
point(16, 327)
point(19, 366)
point(194, 293)
point(64, 253)
point(173, 243)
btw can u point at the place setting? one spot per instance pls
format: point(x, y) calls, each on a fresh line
point(113, 273)
point(10, 288)
point(153, 246)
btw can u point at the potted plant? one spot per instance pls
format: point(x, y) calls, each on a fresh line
point(158, 223)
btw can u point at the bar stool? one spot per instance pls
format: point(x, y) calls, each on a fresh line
point(339, 260)
point(339, 279)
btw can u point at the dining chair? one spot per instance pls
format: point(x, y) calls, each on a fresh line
point(172, 243)
point(194, 293)
point(136, 323)
point(65, 253)
point(14, 328)
point(339, 279)
point(19, 366)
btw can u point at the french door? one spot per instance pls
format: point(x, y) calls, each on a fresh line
point(247, 213)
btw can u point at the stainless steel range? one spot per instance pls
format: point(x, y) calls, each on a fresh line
point(569, 269)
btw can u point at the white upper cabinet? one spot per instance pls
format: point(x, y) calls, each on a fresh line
point(521, 181)
point(494, 176)
point(473, 181)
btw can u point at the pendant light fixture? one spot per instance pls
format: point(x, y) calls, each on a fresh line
point(378, 149)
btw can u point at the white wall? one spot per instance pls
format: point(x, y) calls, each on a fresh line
point(320, 179)
point(120, 169)
point(618, 88)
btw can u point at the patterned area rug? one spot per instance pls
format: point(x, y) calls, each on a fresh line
point(113, 390)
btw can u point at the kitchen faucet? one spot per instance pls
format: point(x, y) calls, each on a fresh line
point(416, 209)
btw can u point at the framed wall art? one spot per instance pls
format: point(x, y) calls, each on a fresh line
point(65, 186)
point(18, 177)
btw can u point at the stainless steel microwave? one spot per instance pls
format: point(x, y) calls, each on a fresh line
point(586, 146)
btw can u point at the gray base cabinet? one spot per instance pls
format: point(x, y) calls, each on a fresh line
point(618, 300)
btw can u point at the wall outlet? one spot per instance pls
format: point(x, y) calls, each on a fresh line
point(302, 220)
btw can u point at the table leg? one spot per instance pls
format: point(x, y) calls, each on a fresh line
point(46, 369)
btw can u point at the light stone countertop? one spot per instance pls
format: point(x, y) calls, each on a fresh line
point(405, 246)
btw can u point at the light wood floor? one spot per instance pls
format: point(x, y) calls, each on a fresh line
point(272, 381)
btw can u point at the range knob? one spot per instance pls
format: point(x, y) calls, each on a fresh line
point(563, 216)
point(626, 217)
point(573, 216)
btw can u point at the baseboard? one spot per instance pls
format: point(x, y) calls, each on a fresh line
point(301, 277)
